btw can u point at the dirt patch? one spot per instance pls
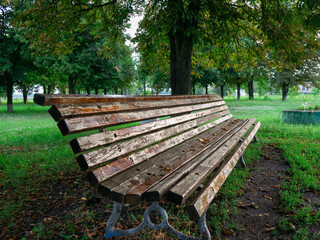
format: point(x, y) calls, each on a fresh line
point(259, 206)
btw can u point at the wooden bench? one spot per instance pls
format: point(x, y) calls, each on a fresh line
point(183, 157)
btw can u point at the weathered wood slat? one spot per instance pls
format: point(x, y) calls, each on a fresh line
point(75, 125)
point(112, 151)
point(103, 173)
point(182, 190)
point(203, 199)
point(133, 190)
point(156, 192)
point(188, 149)
point(101, 139)
point(76, 110)
point(56, 99)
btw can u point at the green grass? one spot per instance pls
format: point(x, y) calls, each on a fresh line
point(301, 148)
point(33, 150)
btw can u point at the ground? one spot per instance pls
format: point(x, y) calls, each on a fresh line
point(59, 209)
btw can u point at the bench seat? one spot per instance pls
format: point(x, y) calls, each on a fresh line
point(183, 155)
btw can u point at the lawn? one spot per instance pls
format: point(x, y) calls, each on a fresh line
point(37, 168)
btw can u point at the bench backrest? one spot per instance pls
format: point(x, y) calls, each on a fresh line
point(122, 141)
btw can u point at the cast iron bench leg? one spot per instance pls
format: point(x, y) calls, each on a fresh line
point(112, 231)
point(243, 163)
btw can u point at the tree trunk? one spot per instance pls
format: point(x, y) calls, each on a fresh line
point(44, 89)
point(144, 87)
point(250, 89)
point(180, 63)
point(49, 89)
point(88, 90)
point(181, 38)
point(105, 91)
point(238, 90)
point(121, 93)
point(206, 89)
point(194, 88)
point(285, 90)
point(96, 91)
point(115, 91)
point(222, 91)
point(25, 95)
point(71, 85)
point(9, 95)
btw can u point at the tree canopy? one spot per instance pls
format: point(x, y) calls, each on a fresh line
point(175, 33)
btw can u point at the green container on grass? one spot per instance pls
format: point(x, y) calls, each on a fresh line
point(301, 117)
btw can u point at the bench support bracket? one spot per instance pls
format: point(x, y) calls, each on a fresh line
point(112, 231)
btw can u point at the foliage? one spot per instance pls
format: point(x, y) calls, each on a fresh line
point(172, 32)
point(306, 73)
point(53, 26)
point(15, 57)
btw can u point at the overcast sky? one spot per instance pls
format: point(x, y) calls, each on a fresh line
point(134, 21)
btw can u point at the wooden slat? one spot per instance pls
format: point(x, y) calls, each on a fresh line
point(76, 110)
point(103, 173)
point(181, 191)
point(157, 192)
point(115, 150)
point(101, 139)
point(185, 150)
point(203, 199)
point(133, 190)
point(75, 125)
point(56, 99)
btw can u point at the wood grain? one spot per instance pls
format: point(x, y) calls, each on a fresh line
point(86, 109)
point(103, 173)
point(203, 199)
point(182, 190)
point(159, 190)
point(102, 139)
point(81, 124)
point(57, 99)
point(177, 164)
point(185, 150)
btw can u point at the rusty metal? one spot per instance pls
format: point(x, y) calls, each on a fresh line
point(111, 231)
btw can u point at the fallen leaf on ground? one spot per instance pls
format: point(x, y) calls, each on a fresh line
point(268, 229)
point(267, 197)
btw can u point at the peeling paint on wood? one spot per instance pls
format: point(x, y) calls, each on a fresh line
point(101, 139)
point(182, 190)
point(149, 152)
point(77, 110)
point(81, 124)
point(203, 199)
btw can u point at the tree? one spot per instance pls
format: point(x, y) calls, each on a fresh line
point(279, 25)
point(308, 72)
point(15, 59)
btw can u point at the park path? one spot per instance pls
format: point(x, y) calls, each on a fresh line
point(259, 206)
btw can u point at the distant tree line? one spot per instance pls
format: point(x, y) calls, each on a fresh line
point(79, 46)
